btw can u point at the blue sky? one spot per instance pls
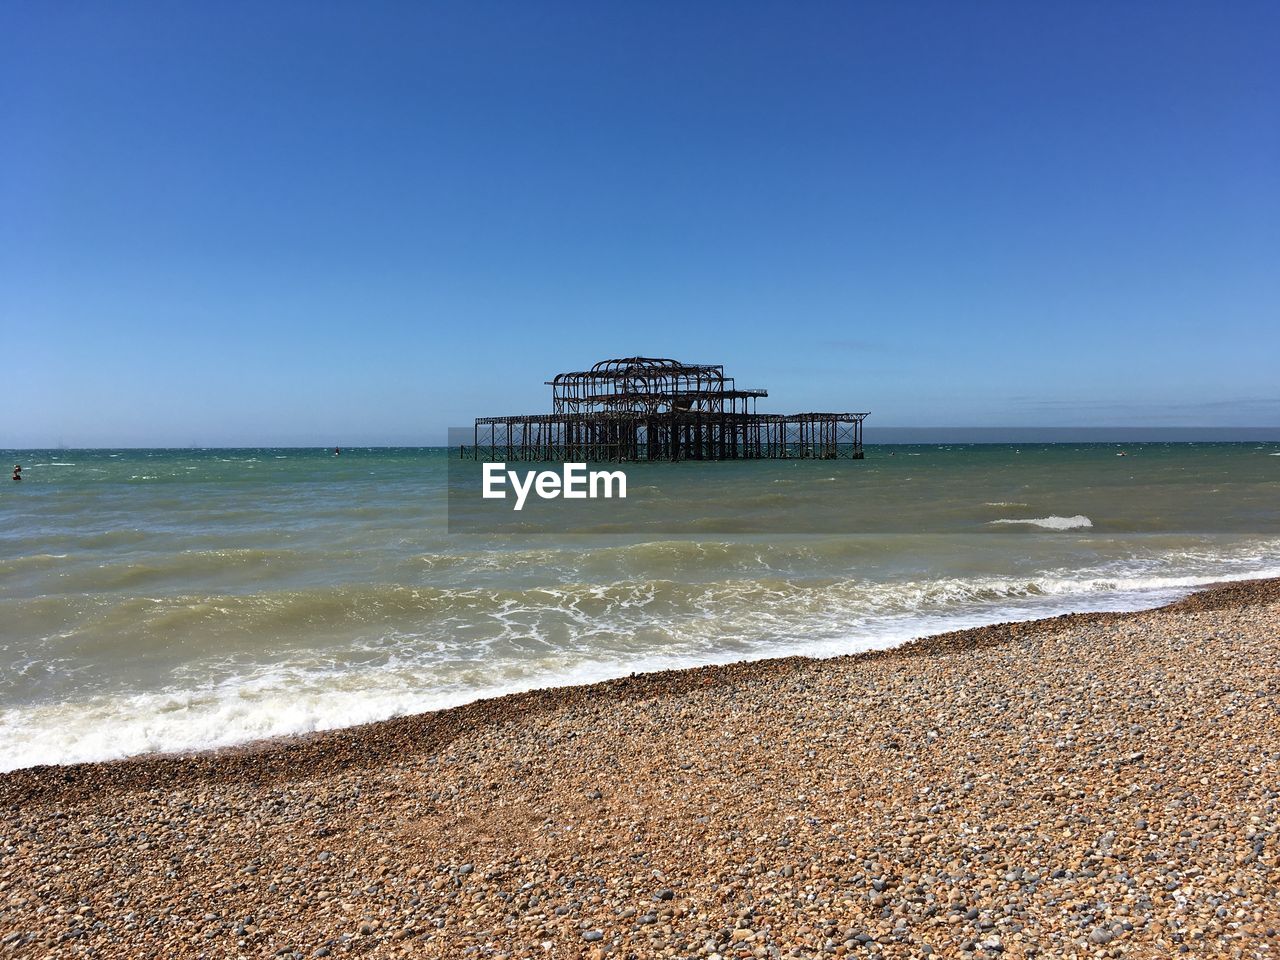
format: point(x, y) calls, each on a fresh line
point(315, 223)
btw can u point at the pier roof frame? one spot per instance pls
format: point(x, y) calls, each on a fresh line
point(660, 408)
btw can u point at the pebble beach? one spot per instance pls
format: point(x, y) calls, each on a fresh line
point(1092, 785)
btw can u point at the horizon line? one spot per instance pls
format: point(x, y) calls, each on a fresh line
point(1273, 435)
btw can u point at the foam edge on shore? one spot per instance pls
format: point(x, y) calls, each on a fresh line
point(313, 754)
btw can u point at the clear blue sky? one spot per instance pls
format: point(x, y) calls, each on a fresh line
point(315, 223)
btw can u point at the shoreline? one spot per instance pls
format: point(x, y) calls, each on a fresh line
point(1096, 784)
point(295, 754)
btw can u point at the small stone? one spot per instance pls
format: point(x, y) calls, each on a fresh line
point(591, 936)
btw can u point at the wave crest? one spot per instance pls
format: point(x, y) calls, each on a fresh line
point(1078, 522)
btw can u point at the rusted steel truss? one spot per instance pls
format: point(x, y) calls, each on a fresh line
point(644, 408)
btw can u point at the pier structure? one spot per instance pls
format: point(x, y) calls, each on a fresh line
point(647, 408)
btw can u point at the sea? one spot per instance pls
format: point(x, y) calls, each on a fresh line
point(183, 599)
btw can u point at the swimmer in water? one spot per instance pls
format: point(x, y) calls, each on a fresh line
point(17, 471)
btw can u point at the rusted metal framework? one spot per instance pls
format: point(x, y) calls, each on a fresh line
point(646, 408)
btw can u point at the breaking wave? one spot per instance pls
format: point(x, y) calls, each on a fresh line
point(406, 650)
point(1078, 522)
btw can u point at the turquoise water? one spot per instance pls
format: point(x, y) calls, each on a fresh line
point(175, 599)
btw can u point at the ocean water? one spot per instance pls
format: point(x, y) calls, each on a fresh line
point(162, 600)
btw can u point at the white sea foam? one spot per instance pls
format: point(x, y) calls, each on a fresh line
point(781, 618)
point(1006, 503)
point(1079, 521)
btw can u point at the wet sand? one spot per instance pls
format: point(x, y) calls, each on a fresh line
point(1088, 785)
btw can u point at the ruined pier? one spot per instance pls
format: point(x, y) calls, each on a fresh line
point(647, 408)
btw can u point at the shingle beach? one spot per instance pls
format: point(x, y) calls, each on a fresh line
point(1090, 785)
